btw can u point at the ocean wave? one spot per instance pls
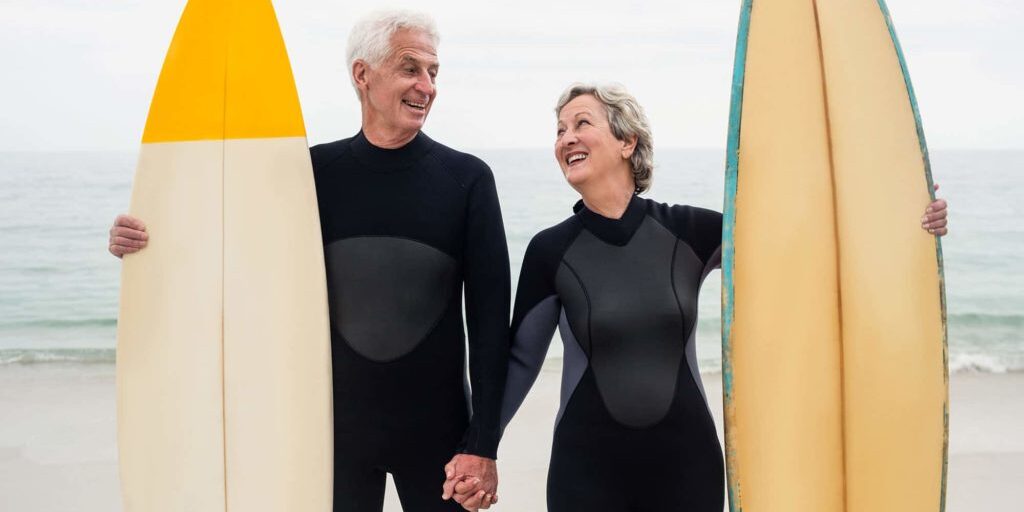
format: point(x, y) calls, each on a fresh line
point(985, 320)
point(52, 323)
point(58, 355)
point(980, 363)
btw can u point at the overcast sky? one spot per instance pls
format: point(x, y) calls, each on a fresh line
point(79, 74)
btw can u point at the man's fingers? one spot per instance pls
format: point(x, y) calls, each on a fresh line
point(489, 499)
point(475, 501)
point(128, 221)
point(940, 231)
point(121, 250)
point(449, 488)
point(133, 234)
point(467, 486)
point(127, 242)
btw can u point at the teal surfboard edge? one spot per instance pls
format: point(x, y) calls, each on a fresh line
point(728, 247)
point(938, 245)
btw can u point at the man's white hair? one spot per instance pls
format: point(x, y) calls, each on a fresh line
point(370, 40)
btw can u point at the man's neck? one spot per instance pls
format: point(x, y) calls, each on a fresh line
point(387, 138)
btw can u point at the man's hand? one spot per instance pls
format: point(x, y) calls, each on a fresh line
point(472, 481)
point(471, 497)
point(934, 219)
point(127, 235)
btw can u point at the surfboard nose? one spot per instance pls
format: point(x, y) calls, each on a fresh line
point(220, 45)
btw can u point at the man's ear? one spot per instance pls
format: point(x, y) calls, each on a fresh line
point(360, 70)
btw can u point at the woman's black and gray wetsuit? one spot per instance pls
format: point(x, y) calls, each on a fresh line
point(634, 432)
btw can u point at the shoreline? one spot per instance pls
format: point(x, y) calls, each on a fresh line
point(58, 440)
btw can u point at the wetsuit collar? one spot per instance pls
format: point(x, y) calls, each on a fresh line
point(613, 231)
point(387, 160)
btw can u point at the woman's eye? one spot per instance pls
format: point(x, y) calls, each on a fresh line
point(581, 121)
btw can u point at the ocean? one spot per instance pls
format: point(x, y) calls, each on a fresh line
point(59, 285)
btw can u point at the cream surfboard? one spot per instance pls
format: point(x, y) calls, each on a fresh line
point(833, 302)
point(223, 356)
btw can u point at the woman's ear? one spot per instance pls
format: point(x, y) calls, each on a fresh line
point(628, 147)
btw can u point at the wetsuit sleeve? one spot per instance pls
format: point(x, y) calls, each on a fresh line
point(487, 289)
point(533, 324)
point(702, 230)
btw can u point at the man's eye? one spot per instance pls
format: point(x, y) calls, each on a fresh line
point(560, 132)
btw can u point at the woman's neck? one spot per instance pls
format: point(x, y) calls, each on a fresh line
point(609, 199)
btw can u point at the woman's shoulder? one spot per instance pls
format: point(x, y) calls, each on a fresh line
point(552, 242)
point(682, 214)
point(700, 228)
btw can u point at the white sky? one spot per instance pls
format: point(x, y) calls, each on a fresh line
point(79, 74)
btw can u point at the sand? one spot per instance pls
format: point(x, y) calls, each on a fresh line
point(58, 441)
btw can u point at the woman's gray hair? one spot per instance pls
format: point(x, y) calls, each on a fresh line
point(627, 119)
point(370, 39)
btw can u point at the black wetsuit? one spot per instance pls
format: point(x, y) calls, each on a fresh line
point(404, 230)
point(634, 432)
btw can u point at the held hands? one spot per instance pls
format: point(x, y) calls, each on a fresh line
point(472, 481)
point(934, 219)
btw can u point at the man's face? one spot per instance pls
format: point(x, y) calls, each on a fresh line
point(399, 92)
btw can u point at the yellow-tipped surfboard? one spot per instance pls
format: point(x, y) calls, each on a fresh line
point(834, 310)
point(223, 357)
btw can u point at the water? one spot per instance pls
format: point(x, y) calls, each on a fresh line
point(60, 286)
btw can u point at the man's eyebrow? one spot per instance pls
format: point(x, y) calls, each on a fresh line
point(409, 59)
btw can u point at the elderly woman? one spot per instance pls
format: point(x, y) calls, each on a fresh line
point(620, 278)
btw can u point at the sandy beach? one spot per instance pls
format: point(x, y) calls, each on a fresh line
point(58, 447)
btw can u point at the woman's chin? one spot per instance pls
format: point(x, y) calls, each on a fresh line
point(575, 177)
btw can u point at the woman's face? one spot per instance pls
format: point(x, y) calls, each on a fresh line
point(585, 147)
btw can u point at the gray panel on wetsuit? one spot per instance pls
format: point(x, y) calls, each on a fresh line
point(622, 304)
point(526, 355)
point(574, 364)
point(688, 290)
point(388, 293)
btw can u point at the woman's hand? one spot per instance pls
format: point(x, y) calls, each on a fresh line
point(934, 219)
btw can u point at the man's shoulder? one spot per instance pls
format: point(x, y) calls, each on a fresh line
point(466, 167)
point(323, 154)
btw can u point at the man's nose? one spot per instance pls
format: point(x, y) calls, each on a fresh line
point(425, 84)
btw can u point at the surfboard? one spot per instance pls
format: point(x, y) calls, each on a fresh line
point(834, 348)
point(223, 351)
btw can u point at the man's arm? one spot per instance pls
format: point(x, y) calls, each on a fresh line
point(487, 288)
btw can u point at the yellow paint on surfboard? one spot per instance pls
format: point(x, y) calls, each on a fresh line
point(205, 59)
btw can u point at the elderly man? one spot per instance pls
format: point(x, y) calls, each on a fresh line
point(407, 224)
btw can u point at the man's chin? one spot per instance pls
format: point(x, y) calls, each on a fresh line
point(415, 123)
